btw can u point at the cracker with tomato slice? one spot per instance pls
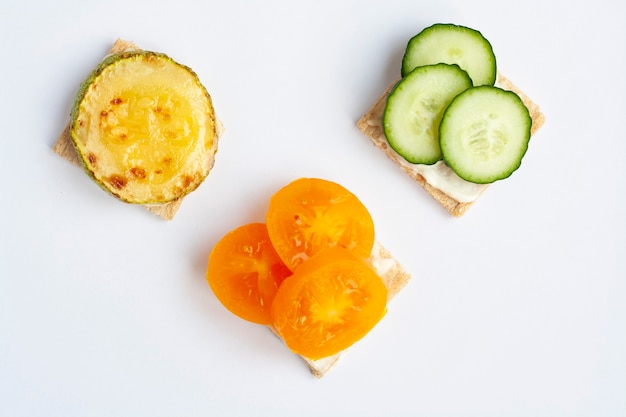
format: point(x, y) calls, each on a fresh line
point(313, 273)
point(393, 275)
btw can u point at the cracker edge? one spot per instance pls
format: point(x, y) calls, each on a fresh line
point(65, 148)
point(395, 278)
point(371, 126)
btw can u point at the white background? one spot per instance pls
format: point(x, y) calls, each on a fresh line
point(516, 309)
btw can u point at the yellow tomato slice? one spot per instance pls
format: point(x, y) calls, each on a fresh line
point(245, 272)
point(330, 302)
point(311, 214)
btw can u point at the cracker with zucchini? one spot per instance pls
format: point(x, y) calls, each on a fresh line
point(143, 128)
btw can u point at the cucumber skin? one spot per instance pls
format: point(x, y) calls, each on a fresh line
point(526, 120)
point(450, 27)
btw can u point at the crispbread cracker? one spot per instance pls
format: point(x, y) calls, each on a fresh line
point(371, 125)
point(395, 278)
point(65, 148)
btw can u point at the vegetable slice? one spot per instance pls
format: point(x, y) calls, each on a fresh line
point(144, 128)
point(333, 300)
point(311, 214)
point(415, 107)
point(484, 134)
point(245, 272)
point(452, 44)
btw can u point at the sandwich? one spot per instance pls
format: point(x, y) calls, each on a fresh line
point(313, 272)
point(436, 175)
point(395, 278)
point(136, 135)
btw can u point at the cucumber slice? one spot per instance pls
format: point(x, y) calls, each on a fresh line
point(415, 107)
point(484, 134)
point(452, 44)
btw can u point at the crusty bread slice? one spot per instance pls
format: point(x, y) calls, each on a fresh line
point(395, 278)
point(65, 148)
point(371, 125)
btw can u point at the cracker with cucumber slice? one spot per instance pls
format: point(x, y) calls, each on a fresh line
point(447, 187)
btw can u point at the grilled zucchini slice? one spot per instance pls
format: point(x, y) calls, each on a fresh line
point(144, 127)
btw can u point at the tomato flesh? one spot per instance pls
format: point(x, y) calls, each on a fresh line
point(311, 214)
point(244, 272)
point(330, 302)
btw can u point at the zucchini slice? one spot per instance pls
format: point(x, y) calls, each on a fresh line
point(144, 127)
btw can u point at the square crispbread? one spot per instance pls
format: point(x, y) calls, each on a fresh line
point(394, 276)
point(64, 146)
point(371, 125)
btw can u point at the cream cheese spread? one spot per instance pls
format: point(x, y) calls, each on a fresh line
point(438, 175)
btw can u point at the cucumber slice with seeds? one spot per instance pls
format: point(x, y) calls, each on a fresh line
point(415, 107)
point(484, 134)
point(452, 44)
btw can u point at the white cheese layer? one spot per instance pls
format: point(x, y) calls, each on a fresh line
point(438, 175)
